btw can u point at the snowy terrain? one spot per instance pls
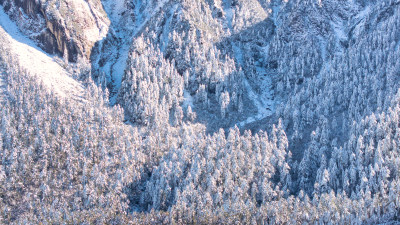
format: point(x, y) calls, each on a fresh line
point(222, 112)
point(264, 101)
point(2, 86)
point(36, 62)
point(262, 98)
point(121, 28)
point(167, 27)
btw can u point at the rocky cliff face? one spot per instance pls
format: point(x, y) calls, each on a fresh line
point(66, 28)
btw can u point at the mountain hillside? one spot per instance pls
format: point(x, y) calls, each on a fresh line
point(65, 28)
point(200, 111)
point(33, 60)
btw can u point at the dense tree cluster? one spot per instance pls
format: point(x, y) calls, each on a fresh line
point(354, 83)
point(151, 86)
point(330, 155)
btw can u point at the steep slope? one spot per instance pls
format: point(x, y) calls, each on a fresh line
point(109, 56)
point(66, 28)
point(305, 57)
point(37, 63)
point(220, 85)
point(320, 76)
point(2, 85)
point(336, 69)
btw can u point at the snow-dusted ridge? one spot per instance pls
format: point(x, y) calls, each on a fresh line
point(36, 62)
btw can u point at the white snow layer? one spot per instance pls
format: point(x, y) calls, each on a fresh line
point(92, 33)
point(263, 101)
point(2, 86)
point(36, 62)
point(166, 30)
point(123, 27)
point(188, 100)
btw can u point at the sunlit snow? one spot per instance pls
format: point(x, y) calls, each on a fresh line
point(36, 62)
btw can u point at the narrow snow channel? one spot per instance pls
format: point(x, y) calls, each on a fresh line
point(262, 101)
point(125, 27)
point(36, 62)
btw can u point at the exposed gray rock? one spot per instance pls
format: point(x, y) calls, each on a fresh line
point(66, 28)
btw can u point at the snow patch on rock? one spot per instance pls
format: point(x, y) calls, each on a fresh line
point(36, 62)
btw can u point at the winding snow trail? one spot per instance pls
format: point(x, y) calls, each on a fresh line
point(36, 62)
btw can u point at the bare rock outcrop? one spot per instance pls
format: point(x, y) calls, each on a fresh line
point(68, 28)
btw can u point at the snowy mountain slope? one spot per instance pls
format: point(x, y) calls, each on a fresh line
point(263, 104)
point(180, 29)
point(110, 55)
point(2, 86)
point(317, 83)
point(36, 62)
point(250, 51)
point(65, 28)
point(335, 82)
